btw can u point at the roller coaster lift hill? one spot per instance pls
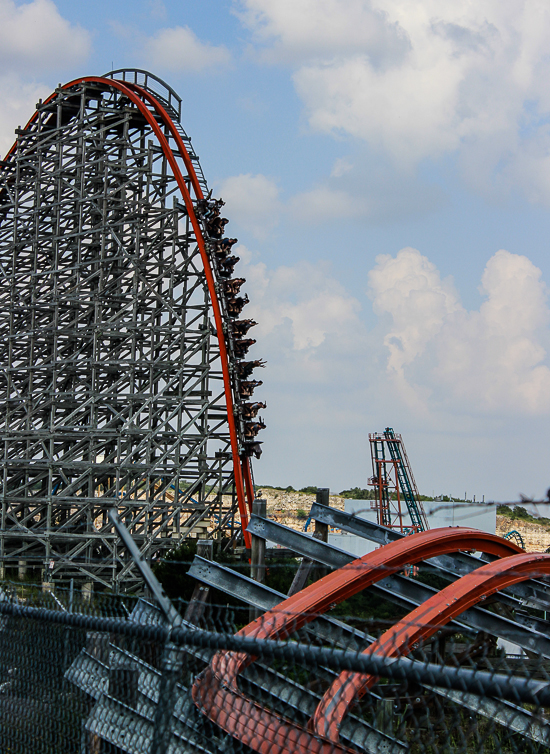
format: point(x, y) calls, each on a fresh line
point(393, 482)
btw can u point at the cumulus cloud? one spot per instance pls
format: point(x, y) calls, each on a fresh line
point(422, 79)
point(321, 28)
point(405, 112)
point(458, 383)
point(312, 335)
point(252, 202)
point(179, 49)
point(490, 360)
point(302, 305)
point(401, 287)
point(35, 36)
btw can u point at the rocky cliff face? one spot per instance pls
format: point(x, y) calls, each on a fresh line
point(535, 536)
point(292, 508)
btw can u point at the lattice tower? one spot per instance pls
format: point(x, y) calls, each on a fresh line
point(120, 382)
point(394, 484)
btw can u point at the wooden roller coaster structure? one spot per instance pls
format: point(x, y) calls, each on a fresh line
point(123, 375)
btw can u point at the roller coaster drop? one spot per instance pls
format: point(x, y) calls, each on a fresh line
point(124, 376)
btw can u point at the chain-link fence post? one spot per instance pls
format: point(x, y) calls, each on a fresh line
point(172, 656)
point(170, 667)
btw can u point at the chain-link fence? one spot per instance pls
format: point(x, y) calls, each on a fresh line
point(111, 675)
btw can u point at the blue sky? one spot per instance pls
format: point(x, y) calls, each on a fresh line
point(386, 168)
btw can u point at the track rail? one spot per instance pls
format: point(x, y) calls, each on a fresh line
point(215, 691)
point(330, 630)
point(421, 624)
point(529, 633)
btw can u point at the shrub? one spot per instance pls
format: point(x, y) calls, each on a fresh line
point(505, 510)
point(356, 493)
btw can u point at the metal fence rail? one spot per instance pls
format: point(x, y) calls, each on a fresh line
point(246, 668)
point(94, 681)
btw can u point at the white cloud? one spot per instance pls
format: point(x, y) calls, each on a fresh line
point(323, 204)
point(18, 103)
point(403, 286)
point(34, 36)
point(458, 384)
point(424, 78)
point(303, 303)
point(408, 113)
point(319, 28)
point(368, 188)
point(440, 354)
point(341, 166)
point(311, 334)
point(179, 49)
point(254, 205)
point(252, 202)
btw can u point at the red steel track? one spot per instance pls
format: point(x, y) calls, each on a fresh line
point(421, 624)
point(139, 97)
point(215, 691)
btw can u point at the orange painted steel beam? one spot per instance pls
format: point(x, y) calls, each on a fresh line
point(256, 727)
point(305, 606)
point(136, 94)
point(421, 624)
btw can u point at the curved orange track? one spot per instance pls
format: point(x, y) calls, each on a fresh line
point(138, 96)
point(215, 691)
point(421, 624)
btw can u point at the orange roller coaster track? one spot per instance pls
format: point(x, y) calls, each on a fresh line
point(421, 624)
point(215, 691)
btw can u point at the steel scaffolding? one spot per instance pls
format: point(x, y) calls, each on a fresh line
point(393, 481)
point(112, 378)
